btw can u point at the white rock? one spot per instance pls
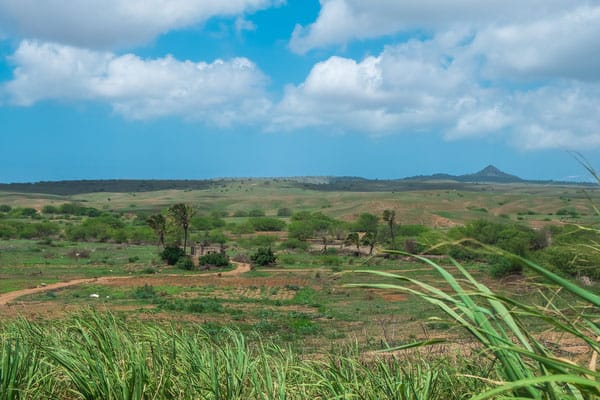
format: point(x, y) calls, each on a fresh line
point(94, 296)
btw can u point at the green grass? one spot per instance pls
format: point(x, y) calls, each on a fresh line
point(528, 367)
point(95, 356)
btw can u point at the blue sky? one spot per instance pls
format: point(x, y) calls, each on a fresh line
point(381, 89)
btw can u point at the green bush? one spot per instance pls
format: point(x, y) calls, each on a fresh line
point(501, 267)
point(185, 263)
point(514, 238)
point(267, 224)
point(264, 256)
point(172, 254)
point(330, 260)
point(243, 228)
point(193, 306)
point(294, 244)
point(215, 259)
point(256, 213)
point(144, 292)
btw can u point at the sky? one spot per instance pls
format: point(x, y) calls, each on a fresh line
point(194, 89)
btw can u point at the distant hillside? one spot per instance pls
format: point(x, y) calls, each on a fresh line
point(469, 182)
point(488, 174)
point(65, 188)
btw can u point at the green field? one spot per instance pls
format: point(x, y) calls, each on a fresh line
point(306, 301)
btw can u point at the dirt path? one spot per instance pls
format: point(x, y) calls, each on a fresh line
point(6, 298)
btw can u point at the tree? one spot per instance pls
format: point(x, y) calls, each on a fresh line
point(389, 216)
point(324, 234)
point(158, 223)
point(370, 239)
point(353, 238)
point(366, 223)
point(182, 214)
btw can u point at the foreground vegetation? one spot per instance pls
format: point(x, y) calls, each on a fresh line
point(97, 356)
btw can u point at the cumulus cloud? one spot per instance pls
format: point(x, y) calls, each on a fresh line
point(433, 86)
point(524, 71)
point(107, 24)
point(220, 92)
point(341, 21)
point(561, 46)
point(410, 86)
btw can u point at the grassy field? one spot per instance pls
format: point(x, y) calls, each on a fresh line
point(535, 203)
point(306, 302)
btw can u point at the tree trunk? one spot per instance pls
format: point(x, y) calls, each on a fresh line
point(185, 237)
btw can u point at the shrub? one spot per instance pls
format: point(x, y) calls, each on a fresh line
point(48, 209)
point(240, 214)
point(294, 244)
point(284, 212)
point(330, 260)
point(5, 208)
point(263, 256)
point(215, 259)
point(504, 266)
point(172, 254)
point(244, 228)
point(186, 263)
point(411, 230)
point(267, 224)
point(256, 213)
point(144, 292)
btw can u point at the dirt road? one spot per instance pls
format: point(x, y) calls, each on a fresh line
point(6, 298)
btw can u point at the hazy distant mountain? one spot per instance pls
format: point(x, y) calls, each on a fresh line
point(488, 174)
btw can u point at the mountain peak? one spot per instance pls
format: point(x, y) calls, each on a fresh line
point(490, 170)
point(491, 174)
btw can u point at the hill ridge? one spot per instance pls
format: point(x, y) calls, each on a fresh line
point(489, 174)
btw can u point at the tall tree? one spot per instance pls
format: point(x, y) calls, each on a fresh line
point(389, 216)
point(182, 214)
point(158, 223)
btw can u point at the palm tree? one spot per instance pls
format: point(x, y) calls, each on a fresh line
point(182, 214)
point(158, 223)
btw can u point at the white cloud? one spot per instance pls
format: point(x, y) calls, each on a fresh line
point(242, 24)
point(221, 92)
point(341, 21)
point(561, 46)
point(406, 87)
point(433, 87)
point(107, 24)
